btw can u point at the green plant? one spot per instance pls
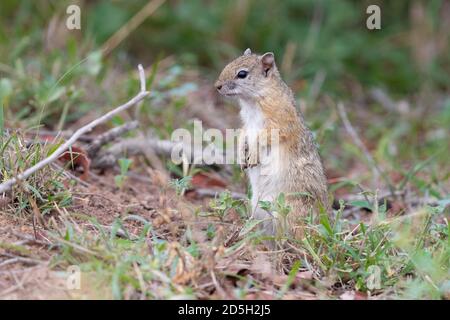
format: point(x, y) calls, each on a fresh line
point(120, 266)
point(124, 165)
point(41, 192)
point(181, 185)
point(222, 204)
point(348, 254)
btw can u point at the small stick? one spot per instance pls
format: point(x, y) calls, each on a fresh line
point(7, 185)
point(64, 134)
point(132, 24)
point(69, 175)
point(22, 259)
point(358, 142)
point(205, 192)
point(109, 136)
point(352, 132)
point(141, 145)
point(383, 99)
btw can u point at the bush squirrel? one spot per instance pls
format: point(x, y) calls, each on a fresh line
point(267, 103)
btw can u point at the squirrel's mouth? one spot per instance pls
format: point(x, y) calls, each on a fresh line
point(229, 94)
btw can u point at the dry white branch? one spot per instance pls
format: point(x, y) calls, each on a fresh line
point(383, 99)
point(109, 136)
point(213, 193)
point(7, 185)
point(356, 140)
point(144, 145)
point(131, 25)
point(376, 171)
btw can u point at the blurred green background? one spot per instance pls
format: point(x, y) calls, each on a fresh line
point(410, 51)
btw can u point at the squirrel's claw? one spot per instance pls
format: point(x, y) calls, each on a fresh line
point(251, 157)
point(247, 156)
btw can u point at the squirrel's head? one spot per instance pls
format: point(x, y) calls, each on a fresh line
point(248, 76)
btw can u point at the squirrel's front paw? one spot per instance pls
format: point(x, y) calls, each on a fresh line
point(248, 153)
point(251, 157)
point(241, 156)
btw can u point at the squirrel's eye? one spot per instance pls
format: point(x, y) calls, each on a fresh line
point(242, 74)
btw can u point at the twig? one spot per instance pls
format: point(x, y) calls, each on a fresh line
point(30, 261)
point(4, 201)
point(144, 145)
point(52, 133)
point(7, 185)
point(412, 199)
point(9, 261)
point(119, 232)
point(356, 140)
point(383, 99)
point(26, 237)
point(381, 196)
point(412, 204)
point(132, 24)
point(70, 175)
point(218, 287)
point(109, 136)
point(376, 172)
point(205, 192)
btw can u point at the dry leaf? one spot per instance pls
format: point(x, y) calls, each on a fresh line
point(77, 157)
point(207, 180)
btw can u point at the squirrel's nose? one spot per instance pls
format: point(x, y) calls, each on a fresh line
point(218, 85)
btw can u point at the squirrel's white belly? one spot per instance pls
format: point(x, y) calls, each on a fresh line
point(266, 178)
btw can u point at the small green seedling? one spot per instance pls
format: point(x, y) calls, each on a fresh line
point(181, 185)
point(225, 202)
point(280, 209)
point(124, 165)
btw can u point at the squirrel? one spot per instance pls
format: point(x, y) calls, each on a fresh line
point(267, 105)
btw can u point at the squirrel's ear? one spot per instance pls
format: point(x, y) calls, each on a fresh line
point(268, 62)
point(247, 52)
